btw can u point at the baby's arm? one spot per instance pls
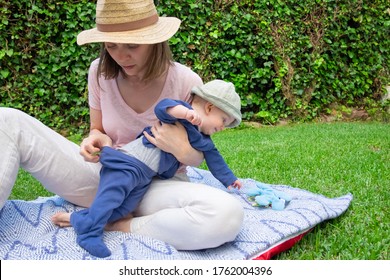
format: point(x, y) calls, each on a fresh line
point(182, 112)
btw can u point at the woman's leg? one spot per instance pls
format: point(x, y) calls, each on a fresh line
point(188, 216)
point(49, 157)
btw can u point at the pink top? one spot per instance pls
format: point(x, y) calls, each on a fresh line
point(120, 121)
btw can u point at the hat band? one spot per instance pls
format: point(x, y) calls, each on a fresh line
point(127, 26)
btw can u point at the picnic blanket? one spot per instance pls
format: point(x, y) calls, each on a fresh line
point(27, 233)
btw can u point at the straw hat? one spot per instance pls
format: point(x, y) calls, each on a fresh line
point(129, 22)
point(223, 95)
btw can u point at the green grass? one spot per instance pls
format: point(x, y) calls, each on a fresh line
point(331, 159)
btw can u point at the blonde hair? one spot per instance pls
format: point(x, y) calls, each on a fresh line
point(158, 63)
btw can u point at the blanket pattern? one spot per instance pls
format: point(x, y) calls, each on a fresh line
point(26, 232)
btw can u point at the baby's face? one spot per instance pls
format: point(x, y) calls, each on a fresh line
point(216, 120)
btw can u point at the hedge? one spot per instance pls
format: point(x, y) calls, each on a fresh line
point(288, 59)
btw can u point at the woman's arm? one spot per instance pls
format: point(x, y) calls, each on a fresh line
point(91, 145)
point(173, 138)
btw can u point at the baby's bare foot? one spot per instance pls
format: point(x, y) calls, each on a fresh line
point(61, 219)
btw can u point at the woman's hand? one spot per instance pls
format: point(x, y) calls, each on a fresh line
point(91, 146)
point(174, 139)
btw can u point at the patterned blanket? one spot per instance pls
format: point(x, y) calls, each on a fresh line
point(26, 232)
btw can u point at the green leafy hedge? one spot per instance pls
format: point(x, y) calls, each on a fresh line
point(288, 59)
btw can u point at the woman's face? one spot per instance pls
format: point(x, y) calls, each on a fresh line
point(131, 58)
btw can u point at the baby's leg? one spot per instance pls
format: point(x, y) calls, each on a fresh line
point(61, 219)
point(91, 243)
point(129, 204)
point(94, 245)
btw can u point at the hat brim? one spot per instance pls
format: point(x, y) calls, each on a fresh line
point(159, 32)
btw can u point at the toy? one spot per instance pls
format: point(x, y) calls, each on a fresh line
point(264, 196)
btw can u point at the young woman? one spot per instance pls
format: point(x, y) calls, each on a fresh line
point(135, 70)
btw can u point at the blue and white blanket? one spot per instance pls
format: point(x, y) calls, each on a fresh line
point(27, 233)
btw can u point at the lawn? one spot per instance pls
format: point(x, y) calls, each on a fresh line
point(331, 159)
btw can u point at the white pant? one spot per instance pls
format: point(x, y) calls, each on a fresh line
point(186, 215)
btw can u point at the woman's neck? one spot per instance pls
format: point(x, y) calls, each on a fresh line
point(138, 94)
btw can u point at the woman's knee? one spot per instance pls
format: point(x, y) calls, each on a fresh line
point(8, 116)
point(13, 121)
point(221, 227)
point(229, 218)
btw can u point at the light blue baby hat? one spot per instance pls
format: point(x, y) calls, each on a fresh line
point(223, 95)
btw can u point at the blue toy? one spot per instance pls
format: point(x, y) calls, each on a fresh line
point(264, 196)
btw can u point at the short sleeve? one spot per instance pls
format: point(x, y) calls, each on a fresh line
point(93, 86)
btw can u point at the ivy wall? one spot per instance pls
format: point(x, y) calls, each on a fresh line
point(288, 59)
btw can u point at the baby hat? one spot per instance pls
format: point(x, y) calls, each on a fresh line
point(223, 95)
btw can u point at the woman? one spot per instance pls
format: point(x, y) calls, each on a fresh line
point(133, 73)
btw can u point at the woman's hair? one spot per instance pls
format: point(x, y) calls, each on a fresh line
point(158, 62)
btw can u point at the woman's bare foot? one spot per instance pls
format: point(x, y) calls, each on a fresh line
point(61, 219)
point(120, 225)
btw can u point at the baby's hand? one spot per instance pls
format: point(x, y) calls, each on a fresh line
point(237, 185)
point(193, 117)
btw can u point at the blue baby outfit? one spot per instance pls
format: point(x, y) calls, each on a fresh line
point(124, 180)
